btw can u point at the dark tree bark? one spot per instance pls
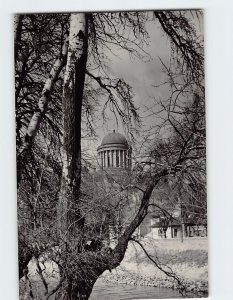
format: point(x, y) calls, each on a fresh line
point(25, 254)
point(86, 268)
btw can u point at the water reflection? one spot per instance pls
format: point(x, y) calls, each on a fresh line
point(127, 292)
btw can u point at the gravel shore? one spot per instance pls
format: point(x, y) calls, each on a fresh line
point(188, 260)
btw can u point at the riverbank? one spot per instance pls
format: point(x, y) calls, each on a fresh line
point(188, 260)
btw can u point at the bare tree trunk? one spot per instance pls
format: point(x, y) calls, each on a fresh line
point(80, 273)
point(182, 228)
point(68, 206)
point(120, 249)
point(76, 285)
point(73, 289)
point(25, 254)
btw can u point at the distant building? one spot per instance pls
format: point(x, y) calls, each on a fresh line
point(114, 167)
point(176, 229)
point(114, 152)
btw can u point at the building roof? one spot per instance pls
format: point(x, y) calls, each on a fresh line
point(114, 138)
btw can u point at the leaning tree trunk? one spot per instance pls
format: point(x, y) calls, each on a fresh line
point(37, 117)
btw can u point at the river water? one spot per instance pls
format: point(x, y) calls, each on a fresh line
point(127, 292)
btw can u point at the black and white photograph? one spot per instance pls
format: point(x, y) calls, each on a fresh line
point(110, 118)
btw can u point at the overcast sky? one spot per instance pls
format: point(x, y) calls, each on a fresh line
point(142, 75)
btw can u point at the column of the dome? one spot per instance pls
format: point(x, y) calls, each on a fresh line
point(109, 158)
point(98, 159)
point(101, 159)
point(111, 162)
point(105, 159)
point(121, 158)
point(114, 158)
point(123, 163)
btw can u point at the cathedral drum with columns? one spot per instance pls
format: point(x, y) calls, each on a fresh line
point(114, 152)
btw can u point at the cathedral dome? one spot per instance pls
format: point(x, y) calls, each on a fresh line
point(114, 138)
point(114, 152)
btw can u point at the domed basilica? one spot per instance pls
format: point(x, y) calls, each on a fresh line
point(114, 152)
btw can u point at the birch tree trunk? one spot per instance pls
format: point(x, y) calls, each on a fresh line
point(41, 108)
point(69, 218)
point(68, 211)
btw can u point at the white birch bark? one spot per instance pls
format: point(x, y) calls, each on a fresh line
point(72, 105)
point(44, 99)
point(75, 51)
